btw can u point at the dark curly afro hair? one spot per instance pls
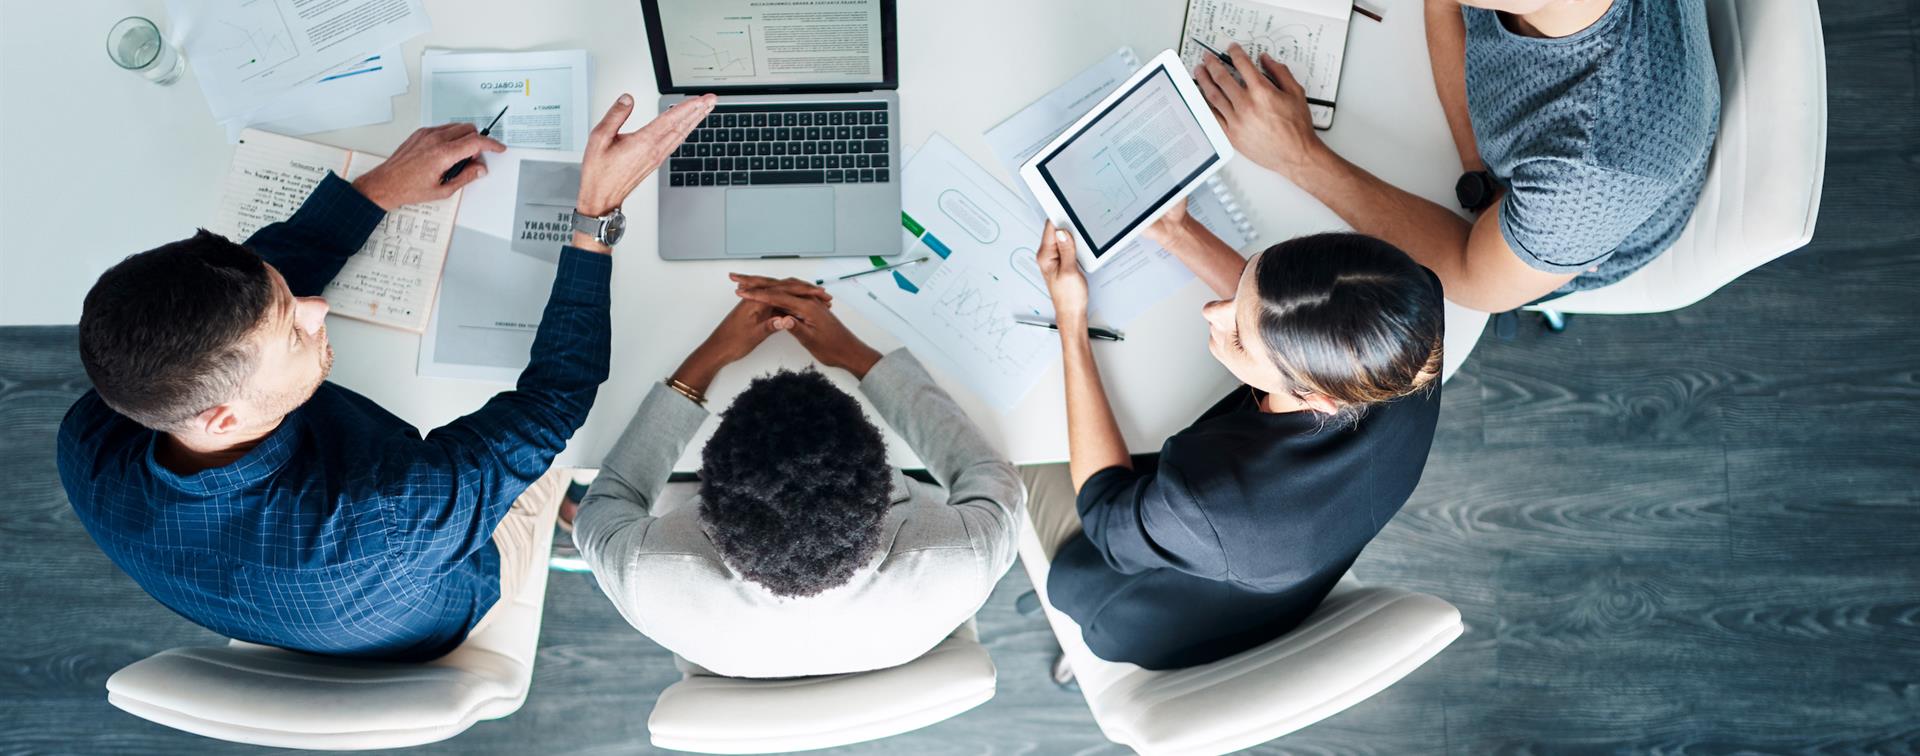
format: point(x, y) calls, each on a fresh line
point(795, 483)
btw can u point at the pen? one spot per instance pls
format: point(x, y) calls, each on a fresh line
point(1228, 59)
point(462, 165)
point(1103, 334)
point(870, 271)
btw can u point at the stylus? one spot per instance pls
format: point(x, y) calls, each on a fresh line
point(1102, 334)
point(462, 165)
point(1227, 59)
point(870, 271)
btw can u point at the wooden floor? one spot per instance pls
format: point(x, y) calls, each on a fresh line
point(1696, 532)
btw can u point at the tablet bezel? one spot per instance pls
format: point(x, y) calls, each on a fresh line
point(1041, 184)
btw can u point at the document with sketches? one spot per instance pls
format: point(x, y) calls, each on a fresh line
point(494, 292)
point(957, 309)
point(1309, 36)
point(245, 53)
point(392, 279)
point(545, 94)
point(1141, 273)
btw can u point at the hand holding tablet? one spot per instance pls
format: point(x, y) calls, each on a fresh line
point(1146, 146)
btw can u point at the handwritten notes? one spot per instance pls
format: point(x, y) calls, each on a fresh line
point(1309, 36)
point(393, 278)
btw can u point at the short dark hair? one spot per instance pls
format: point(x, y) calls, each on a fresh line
point(794, 484)
point(164, 333)
point(1350, 317)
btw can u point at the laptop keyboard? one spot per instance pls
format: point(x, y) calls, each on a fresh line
point(786, 143)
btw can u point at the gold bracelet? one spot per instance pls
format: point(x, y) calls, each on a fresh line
point(692, 394)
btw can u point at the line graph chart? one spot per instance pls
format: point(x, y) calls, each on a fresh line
point(723, 52)
point(253, 38)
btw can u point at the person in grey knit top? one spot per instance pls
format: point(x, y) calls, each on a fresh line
point(1584, 129)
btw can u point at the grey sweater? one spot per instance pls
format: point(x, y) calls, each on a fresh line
point(946, 548)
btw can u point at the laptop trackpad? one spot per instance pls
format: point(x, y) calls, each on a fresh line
point(780, 221)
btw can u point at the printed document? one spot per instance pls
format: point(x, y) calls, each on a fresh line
point(355, 94)
point(957, 310)
point(495, 289)
point(392, 279)
point(545, 94)
point(247, 52)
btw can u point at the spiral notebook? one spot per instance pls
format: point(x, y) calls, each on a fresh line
point(1309, 36)
point(392, 280)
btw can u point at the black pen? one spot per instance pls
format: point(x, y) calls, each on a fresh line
point(462, 165)
point(1102, 334)
point(1228, 59)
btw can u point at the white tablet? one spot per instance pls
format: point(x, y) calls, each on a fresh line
point(1148, 144)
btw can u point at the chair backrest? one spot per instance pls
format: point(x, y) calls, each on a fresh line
point(1763, 185)
point(707, 713)
point(1360, 641)
point(267, 696)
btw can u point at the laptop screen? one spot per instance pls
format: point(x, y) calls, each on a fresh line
point(718, 44)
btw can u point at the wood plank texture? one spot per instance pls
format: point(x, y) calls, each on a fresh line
point(1692, 532)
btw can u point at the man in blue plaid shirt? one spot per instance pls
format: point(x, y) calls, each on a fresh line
point(214, 464)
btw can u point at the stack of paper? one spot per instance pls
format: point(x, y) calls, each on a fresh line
point(296, 66)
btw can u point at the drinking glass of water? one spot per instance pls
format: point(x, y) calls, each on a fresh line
point(135, 44)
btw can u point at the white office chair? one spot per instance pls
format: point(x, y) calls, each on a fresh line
point(1763, 182)
point(1360, 640)
point(266, 696)
point(709, 713)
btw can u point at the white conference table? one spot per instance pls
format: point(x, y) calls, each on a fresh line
point(98, 163)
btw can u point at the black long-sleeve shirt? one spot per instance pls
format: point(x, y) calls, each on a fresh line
point(1244, 526)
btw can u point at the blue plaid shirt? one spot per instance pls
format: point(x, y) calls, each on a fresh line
point(344, 532)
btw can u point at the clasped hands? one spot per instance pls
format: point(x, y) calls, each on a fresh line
point(772, 305)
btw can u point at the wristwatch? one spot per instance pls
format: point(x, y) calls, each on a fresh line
point(1476, 190)
point(606, 229)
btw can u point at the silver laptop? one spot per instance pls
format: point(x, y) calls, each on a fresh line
point(801, 156)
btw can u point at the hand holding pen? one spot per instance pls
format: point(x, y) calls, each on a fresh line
point(462, 165)
point(418, 169)
point(1227, 60)
point(1268, 117)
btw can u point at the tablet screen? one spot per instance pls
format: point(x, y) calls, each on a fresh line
point(1134, 156)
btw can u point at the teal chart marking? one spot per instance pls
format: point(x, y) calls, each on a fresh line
point(926, 237)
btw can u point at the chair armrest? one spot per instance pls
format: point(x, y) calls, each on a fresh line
point(1358, 643)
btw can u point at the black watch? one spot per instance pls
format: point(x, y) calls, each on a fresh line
point(1476, 190)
